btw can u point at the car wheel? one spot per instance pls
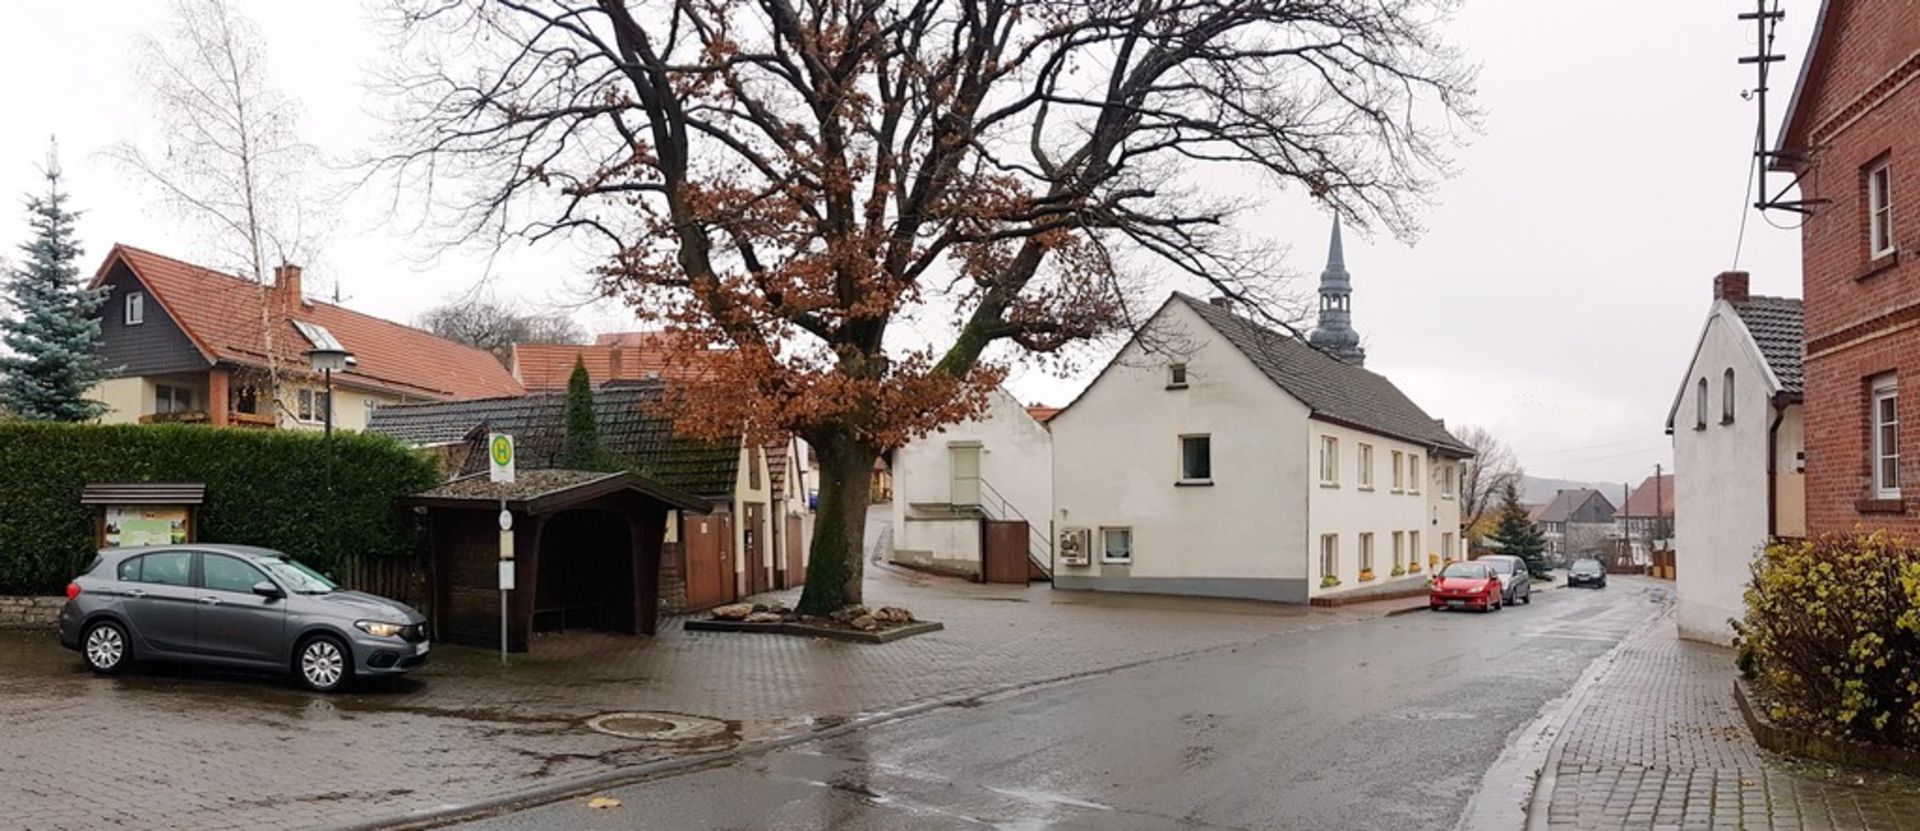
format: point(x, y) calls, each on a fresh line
point(105, 646)
point(323, 663)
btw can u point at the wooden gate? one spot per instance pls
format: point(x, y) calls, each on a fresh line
point(708, 541)
point(796, 559)
point(1003, 551)
point(759, 574)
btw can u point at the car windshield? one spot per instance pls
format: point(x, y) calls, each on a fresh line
point(1587, 566)
point(298, 578)
point(1475, 570)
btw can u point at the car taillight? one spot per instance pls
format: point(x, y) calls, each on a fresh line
point(73, 590)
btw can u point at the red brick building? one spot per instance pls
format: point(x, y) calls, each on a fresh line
point(1852, 133)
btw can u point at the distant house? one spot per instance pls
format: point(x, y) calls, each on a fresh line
point(1577, 522)
point(194, 345)
point(616, 356)
point(1739, 446)
point(1645, 522)
point(1215, 456)
point(754, 541)
point(949, 485)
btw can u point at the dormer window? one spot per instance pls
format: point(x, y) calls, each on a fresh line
point(136, 308)
point(1176, 376)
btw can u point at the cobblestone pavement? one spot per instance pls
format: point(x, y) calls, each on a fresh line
point(1658, 743)
point(168, 747)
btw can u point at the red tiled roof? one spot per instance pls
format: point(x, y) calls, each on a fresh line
point(222, 314)
point(1641, 502)
point(619, 356)
point(1043, 414)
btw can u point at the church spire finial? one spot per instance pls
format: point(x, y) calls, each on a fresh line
point(1334, 334)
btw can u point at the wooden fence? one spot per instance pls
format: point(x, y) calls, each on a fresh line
point(400, 578)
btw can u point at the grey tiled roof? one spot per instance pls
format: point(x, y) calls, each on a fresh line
point(537, 423)
point(1333, 390)
point(1567, 504)
point(1779, 327)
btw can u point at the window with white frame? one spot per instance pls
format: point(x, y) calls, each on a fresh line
point(1880, 209)
point(310, 405)
point(1196, 458)
point(1413, 545)
point(136, 313)
point(1886, 437)
point(1399, 478)
point(1176, 376)
point(1399, 549)
point(171, 399)
point(1330, 555)
point(1116, 545)
point(1448, 474)
point(1366, 552)
point(1329, 460)
point(1366, 466)
point(1413, 473)
point(1446, 546)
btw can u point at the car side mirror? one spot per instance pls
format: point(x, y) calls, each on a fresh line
point(268, 590)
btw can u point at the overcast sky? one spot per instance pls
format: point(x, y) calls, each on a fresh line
point(1555, 297)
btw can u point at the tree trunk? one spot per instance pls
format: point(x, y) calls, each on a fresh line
point(835, 565)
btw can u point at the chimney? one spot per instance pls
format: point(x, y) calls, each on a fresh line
point(286, 285)
point(1730, 286)
point(613, 362)
point(1222, 302)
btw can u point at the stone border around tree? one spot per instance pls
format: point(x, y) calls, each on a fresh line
point(808, 630)
point(1791, 742)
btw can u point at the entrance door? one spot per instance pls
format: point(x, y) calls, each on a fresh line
point(759, 576)
point(796, 560)
point(964, 461)
point(708, 543)
point(1003, 551)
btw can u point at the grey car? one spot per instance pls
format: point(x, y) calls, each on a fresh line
point(237, 607)
point(1516, 585)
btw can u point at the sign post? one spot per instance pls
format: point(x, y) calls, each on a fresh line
point(500, 472)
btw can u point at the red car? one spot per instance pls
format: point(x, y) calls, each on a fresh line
point(1465, 586)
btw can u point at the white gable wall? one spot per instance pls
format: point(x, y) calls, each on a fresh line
point(1117, 463)
point(1720, 490)
point(1015, 462)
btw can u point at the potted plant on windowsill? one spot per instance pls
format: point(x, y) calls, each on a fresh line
point(1413, 567)
point(1366, 575)
point(1329, 581)
point(1398, 571)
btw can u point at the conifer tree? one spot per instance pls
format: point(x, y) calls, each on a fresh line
point(54, 332)
point(1517, 535)
point(582, 450)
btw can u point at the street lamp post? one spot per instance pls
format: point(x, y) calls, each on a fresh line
point(326, 360)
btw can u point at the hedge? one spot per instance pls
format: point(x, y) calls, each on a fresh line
point(318, 499)
point(1831, 637)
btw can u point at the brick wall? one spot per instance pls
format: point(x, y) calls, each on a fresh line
point(30, 612)
point(1863, 317)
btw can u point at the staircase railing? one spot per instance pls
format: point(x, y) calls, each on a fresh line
point(995, 506)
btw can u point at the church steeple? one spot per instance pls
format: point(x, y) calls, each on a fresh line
point(1334, 334)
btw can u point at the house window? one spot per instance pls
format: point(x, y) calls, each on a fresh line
point(1329, 555)
point(1413, 544)
point(1413, 473)
point(1886, 437)
point(1447, 475)
point(172, 399)
point(1329, 460)
point(310, 405)
point(1399, 480)
point(1726, 396)
point(1196, 459)
point(1880, 210)
point(1399, 549)
point(370, 406)
point(1366, 552)
point(1446, 546)
point(247, 400)
point(1366, 466)
point(1116, 545)
point(1176, 376)
point(136, 308)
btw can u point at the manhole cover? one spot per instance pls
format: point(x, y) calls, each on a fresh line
point(657, 727)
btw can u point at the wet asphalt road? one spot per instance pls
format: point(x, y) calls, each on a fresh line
point(1386, 723)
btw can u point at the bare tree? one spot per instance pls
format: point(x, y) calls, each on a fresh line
point(1485, 476)
point(224, 151)
point(491, 325)
point(782, 181)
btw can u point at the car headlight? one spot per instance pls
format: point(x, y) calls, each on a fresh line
point(380, 629)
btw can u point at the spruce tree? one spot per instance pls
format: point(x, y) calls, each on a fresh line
point(582, 450)
point(54, 335)
point(1517, 535)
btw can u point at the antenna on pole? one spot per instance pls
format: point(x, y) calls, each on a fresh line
point(1765, 22)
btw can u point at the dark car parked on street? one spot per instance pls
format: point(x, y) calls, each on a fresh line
point(239, 607)
point(1587, 572)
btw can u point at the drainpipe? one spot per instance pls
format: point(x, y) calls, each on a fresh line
point(1773, 464)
